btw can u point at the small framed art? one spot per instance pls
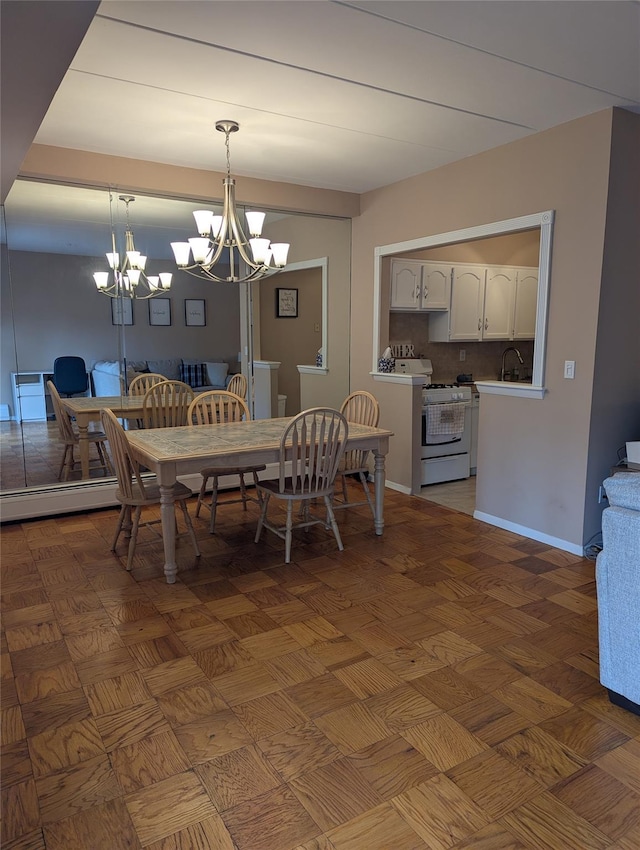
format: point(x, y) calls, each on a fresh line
point(160, 311)
point(121, 311)
point(195, 313)
point(286, 303)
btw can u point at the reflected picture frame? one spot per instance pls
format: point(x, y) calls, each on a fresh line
point(286, 303)
point(121, 311)
point(195, 312)
point(160, 312)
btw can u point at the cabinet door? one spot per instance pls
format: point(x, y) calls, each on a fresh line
point(499, 301)
point(436, 286)
point(467, 293)
point(406, 284)
point(524, 324)
point(28, 396)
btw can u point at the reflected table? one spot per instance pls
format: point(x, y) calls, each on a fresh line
point(87, 410)
point(170, 452)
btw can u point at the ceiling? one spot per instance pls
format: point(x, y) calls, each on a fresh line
point(341, 95)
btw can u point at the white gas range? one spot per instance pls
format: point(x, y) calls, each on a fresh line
point(446, 424)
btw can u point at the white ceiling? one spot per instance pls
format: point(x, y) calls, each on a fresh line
point(341, 95)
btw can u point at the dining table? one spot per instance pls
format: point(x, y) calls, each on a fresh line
point(169, 452)
point(86, 409)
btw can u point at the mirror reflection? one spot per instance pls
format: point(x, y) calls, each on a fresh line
point(58, 309)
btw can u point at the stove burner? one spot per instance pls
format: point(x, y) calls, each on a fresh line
point(439, 386)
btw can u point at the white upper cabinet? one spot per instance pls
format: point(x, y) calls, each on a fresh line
point(467, 299)
point(524, 325)
point(499, 301)
point(417, 285)
point(488, 303)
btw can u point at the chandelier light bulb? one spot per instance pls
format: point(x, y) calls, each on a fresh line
point(182, 252)
point(280, 252)
point(203, 221)
point(114, 261)
point(153, 282)
point(255, 221)
point(101, 279)
point(259, 249)
point(199, 248)
point(165, 279)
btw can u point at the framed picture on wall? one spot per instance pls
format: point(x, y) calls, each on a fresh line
point(286, 303)
point(160, 311)
point(121, 311)
point(195, 312)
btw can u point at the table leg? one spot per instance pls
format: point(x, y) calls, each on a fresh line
point(168, 517)
point(378, 478)
point(83, 444)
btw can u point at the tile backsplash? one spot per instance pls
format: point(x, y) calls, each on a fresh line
point(482, 359)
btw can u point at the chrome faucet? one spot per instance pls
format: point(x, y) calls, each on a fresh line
point(504, 355)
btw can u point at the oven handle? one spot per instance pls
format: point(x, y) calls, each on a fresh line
point(445, 443)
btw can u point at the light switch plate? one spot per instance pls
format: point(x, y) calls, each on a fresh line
point(570, 369)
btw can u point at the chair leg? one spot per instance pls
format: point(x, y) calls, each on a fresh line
point(123, 512)
point(243, 492)
point(214, 505)
point(189, 524)
point(63, 463)
point(263, 515)
point(134, 536)
point(103, 460)
point(367, 493)
point(344, 489)
point(201, 494)
point(334, 524)
point(288, 532)
point(256, 481)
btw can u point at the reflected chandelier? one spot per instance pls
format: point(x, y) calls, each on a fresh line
point(127, 278)
point(220, 232)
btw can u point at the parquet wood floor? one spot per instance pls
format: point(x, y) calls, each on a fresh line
point(433, 689)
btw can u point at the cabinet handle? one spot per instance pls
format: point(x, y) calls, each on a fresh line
point(486, 324)
point(479, 324)
point(416, 294)
point(425, 292)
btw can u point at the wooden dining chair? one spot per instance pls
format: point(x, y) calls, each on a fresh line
point(166, 404)
point(313, 443)
point(361, 408)
point(135, 492)
point(212, 408)
point(238, 385)
point(71, 440)
point(141, 383)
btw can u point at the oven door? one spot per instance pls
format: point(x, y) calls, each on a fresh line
point(455, 446)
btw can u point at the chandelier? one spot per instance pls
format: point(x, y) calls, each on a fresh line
point(200, 254)
point(127, 278)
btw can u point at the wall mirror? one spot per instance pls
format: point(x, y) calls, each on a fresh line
point(55, 237)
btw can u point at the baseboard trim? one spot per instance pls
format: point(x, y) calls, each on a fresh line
point(399, 488)
point(80, 496)
point(531, 533)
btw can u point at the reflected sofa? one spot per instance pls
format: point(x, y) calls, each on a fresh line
point(618, 589)
point(107, 377)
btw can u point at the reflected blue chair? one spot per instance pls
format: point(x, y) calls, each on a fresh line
point(70, 376)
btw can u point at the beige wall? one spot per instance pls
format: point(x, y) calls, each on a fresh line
point(71, 166)
point(317, 239)
point(533, 455)
point(291, 341)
